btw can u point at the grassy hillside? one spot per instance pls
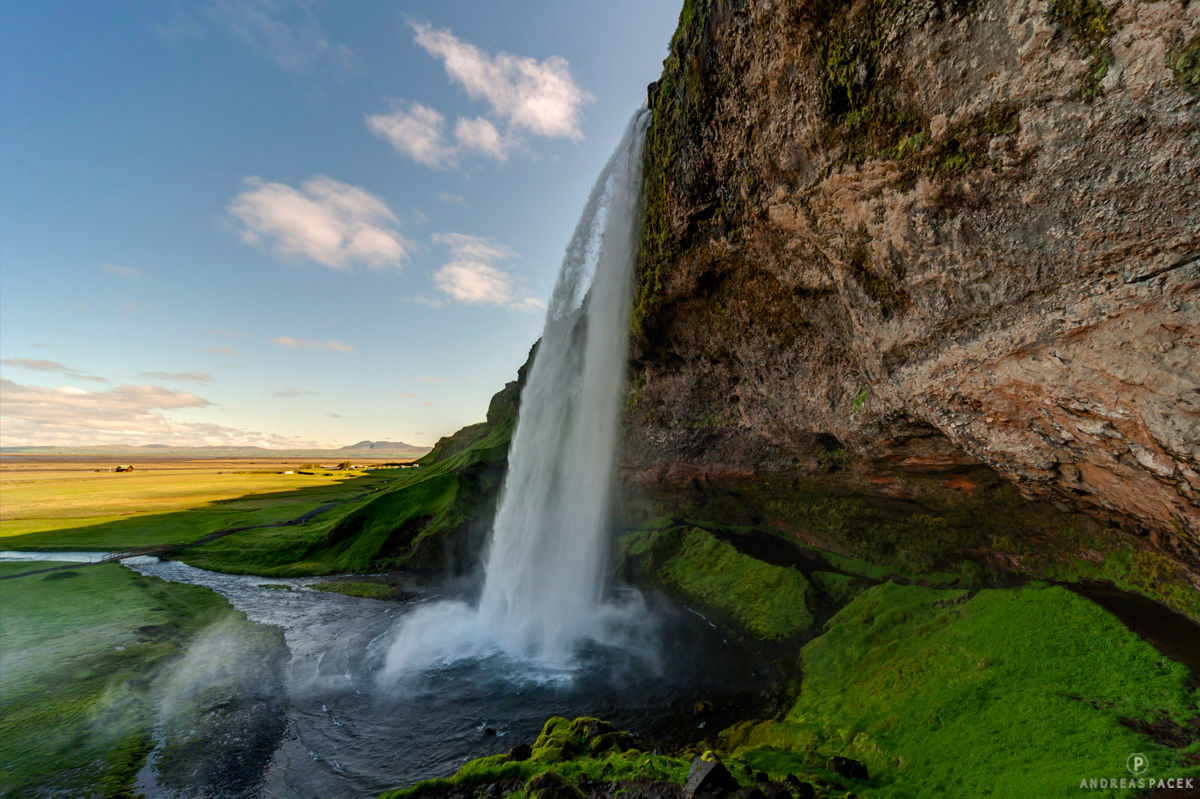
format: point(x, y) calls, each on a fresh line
point(432, 516)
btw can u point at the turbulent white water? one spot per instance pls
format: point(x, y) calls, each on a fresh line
point(544, 583)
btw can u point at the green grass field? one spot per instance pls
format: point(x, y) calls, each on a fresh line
point(106, 511)
point(80, 652)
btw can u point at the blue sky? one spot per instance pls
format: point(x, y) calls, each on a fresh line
point(284, 222)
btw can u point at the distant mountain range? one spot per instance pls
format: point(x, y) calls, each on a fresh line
point(363, 449)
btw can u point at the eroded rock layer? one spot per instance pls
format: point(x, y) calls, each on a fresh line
point(970, 224)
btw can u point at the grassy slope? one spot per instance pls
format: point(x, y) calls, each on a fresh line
point(428, 517)
point(1010, 693)
point(77, 655)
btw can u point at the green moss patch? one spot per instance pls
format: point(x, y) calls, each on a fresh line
point(765, 601)
point(1007, 693)
point(365, 590)
point(1183, 57)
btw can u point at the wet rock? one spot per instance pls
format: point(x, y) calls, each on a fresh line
point(848, 767)
point(520, 752)
point(776, 790)
point(489, 732)
point(552, 785)
point(802, 790)
point(708, 777)
point(751, 792)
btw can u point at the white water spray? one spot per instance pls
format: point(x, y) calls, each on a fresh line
point(544, 577)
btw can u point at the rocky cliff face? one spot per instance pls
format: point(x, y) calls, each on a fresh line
point(934, 233)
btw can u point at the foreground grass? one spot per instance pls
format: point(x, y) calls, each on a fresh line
point(79, 652)
point(1007, 693)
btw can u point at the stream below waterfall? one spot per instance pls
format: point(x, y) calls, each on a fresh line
point(343, 734)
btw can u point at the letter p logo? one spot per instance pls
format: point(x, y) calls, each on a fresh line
point(1137, 764)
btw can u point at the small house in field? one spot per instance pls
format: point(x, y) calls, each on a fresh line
point(124, 468)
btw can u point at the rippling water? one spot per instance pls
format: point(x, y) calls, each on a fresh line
point(349, 734)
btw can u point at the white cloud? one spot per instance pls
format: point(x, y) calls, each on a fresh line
point(292, 393)
point(37, 416)
point(195, 377)
point(298, 343)
point(329, 222)
point(471, 276)
point(418, 132)
point(482, 137)
point(524, 95)
point(286, 31)
point(540, 97)
point(427, 379)
point(123, 271)
point(452, 199)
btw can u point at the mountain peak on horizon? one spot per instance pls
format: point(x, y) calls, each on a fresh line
point(372, 445)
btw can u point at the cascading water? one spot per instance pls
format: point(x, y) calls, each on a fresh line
point(545, 569)
point(544, 576)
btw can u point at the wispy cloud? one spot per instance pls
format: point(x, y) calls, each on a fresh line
point(36, 365)
point(327, 221)
point(195, 377)
point(299, 343)
point(427, 379)
point(471, 276)
point(452, 199)
point(336, 415)
point(123, 271)
point(524, 97)
point(428, 405)
point(408, 395)
point(36, 416)
point(286, 31)
point(41, 345)
point(293, 393)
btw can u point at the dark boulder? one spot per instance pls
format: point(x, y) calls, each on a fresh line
point(776, 790)
point(520, 752)
point(848, 768)
point(802, 790)
point(708, 777)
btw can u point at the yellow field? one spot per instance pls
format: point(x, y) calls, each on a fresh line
point(38, 496)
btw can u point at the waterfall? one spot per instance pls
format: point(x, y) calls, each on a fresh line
point(545, 567)
point(545, 570)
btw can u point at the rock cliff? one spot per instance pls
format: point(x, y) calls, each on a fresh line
point(942, 234)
